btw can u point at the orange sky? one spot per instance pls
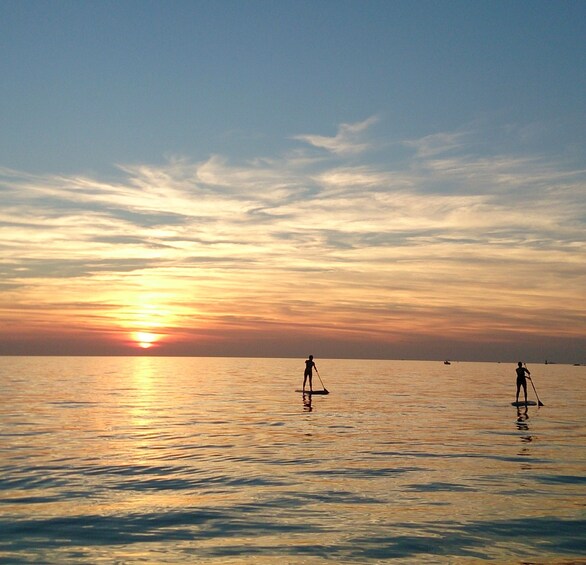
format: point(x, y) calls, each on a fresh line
point(439, 255)
point(347, 179)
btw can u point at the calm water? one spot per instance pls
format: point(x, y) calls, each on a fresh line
point(174, 460)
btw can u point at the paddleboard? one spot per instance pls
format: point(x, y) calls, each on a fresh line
point(523, 403)
point(314, 392)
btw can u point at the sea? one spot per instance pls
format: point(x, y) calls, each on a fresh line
point(219, 460)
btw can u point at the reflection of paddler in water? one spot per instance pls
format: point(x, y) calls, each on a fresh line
point(308, 374)
point(522, 417)
point(523, 426)
point(307, 402)
point(522, 380)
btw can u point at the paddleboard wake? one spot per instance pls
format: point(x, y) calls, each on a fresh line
point(523, 403)
point(313, 392)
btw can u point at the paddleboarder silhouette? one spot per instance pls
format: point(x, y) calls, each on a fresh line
point(308, 374)
point(522, 375)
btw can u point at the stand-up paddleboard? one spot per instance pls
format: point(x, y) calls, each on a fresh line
point(313, 391)
point(523, 403)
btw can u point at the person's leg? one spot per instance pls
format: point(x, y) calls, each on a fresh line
point(525, 390)
point(518, 390)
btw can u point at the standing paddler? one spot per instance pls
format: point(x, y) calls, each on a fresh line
point(522, 375)
point(308, 373)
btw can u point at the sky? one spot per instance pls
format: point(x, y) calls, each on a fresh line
point(350, 179)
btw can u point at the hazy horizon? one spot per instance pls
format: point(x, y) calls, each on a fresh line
point(140, 354)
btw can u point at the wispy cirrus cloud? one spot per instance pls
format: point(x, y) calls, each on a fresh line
point(349, 138)
point(410, 249)
point(437, 144)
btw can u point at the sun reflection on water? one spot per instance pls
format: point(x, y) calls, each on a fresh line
point(212, 455)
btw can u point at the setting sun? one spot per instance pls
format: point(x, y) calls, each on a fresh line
point(145, 339)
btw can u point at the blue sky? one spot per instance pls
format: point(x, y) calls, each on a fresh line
point(446, 136)
point(90, 84)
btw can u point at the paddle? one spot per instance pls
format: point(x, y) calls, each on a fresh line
point(322, 383)
point(539, 403)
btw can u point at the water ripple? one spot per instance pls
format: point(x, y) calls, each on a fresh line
point(140, 460)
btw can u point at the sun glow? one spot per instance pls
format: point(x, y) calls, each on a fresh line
point(145, 339)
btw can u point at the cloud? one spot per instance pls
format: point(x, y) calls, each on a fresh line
point(456, 244)
point(348, 140)
point(437, 144)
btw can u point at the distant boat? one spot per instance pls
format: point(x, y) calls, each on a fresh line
point(446, 362)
